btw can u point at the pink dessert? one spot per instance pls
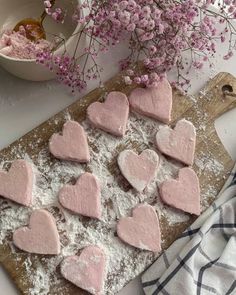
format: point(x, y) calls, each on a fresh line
point(15, 44)
point(142, 230)
point(86, 271)
point(112, 115)
point(84, 197)
point(155, 102)
point(178, 143)
point(139, 170)
point(182, 193)
point(17, 184)
point(72, 144)
point(40, 237)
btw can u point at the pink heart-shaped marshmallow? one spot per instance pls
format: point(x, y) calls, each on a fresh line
point(83, 197)
point(40, 237)
point(86, 271)
point(72, 145)
point(182, 193)
point(112, 115)
point(17, 184)
point(142, 230)
point(155, 102)
point(139, 170)
point(178, 143)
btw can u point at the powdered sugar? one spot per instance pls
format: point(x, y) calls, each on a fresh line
point(118, 199)
point(208, 163)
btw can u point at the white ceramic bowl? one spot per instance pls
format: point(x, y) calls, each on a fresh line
point(12, 11)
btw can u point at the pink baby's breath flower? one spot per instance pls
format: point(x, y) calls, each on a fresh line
point(47, 4)
point(131, 27)
point(127, 80)
point(228, 56)
point(130, 72)
point(58, 15)
point(146, 61)
point(222, 38)
point(123, 5)
point(131, 5)
point(146, 11)
point(137, 80)
point(152, 49)
point(144, 78)
point(159, 33)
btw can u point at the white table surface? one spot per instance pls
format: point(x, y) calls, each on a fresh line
point(24, 105)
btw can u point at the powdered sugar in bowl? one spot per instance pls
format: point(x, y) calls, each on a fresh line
point(12, 12)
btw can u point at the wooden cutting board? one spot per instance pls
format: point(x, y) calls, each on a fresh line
point(202, 112)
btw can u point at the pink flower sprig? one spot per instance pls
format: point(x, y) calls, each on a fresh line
point(160, 33)
point(56, 13)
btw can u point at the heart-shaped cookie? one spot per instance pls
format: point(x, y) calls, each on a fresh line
point(139, 170)
point(40, 237)
point(112, 115)
point(17, 184)
point(72, 145)
point(142, 230)
point(84, 197)
point(182, 193)
point(155, 102)
point(86, 271)
point(178, 143)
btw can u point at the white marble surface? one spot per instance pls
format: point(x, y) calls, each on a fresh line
point(24, 105)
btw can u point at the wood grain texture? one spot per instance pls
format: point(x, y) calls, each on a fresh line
point(209, 106)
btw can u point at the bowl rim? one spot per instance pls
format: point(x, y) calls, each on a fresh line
point(76, 30)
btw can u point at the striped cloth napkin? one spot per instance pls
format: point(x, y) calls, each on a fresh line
point(202, 261)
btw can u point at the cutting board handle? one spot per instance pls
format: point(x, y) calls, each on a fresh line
point(214, 100)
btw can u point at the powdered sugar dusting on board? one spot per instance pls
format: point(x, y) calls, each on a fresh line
point(118, 199)
point(210, 164)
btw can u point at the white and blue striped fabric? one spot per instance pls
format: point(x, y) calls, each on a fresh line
point(202, 261)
